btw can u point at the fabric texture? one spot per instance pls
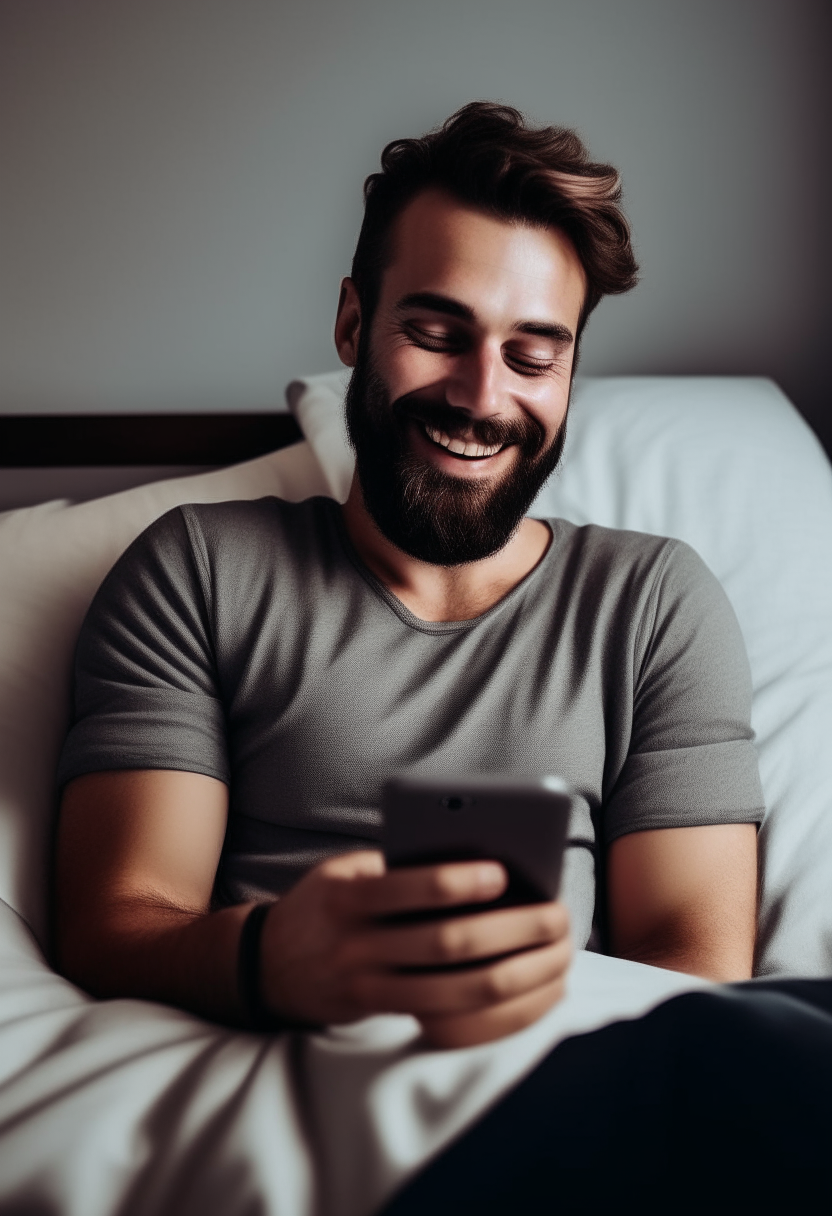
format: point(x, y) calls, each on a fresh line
point(247, 641)
point(133, 1108)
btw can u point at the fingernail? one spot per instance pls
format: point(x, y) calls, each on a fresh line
point(491, 876)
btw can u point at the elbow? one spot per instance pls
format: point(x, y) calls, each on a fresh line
point(720, 962)
point(83, 956)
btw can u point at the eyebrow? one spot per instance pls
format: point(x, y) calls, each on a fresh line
point(434, 302)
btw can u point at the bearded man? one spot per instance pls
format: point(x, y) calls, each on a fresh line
point(251, 673)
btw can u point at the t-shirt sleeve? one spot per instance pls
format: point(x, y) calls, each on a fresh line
point(691, 759)
point(146, 694)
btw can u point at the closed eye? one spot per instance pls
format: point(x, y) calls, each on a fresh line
point(435, 339)
point(528, 367)
point(446, 340)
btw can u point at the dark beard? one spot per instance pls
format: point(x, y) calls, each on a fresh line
point(425, 512)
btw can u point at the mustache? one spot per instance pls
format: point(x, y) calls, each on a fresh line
point(525, 432)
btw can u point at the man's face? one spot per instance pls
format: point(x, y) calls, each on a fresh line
point(458, 399)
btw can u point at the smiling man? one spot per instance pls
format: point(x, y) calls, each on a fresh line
point(251, 673)
point(458, 420)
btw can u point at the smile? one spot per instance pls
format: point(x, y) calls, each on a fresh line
point(461, 447)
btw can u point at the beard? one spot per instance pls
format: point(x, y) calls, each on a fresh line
point(422, 510)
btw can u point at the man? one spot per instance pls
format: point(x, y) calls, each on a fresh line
point(250, 673)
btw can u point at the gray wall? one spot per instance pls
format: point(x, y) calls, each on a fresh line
point(181, 180)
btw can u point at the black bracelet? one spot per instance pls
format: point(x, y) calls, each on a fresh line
point(257, 1014)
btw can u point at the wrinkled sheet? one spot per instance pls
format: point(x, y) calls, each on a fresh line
point(132, 1108)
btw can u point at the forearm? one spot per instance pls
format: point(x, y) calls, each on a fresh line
point(158, 953)
point(329, 952)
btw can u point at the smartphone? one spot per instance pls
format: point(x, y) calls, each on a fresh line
point(521, 822)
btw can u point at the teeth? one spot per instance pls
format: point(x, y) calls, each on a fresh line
point(459, 447)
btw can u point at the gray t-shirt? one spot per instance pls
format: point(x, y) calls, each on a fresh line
point(247, 641)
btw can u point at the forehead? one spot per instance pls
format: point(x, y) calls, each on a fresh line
point(500, 268)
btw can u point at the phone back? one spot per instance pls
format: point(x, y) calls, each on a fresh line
point(521, 822)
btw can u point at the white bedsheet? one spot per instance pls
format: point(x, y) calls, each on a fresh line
point(132, 1108)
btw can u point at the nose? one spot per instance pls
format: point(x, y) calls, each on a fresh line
point(477, 383)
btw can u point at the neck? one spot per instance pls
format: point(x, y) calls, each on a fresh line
point(443, 593)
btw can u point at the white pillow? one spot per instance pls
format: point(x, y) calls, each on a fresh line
point(727, 465)
point(52, 559)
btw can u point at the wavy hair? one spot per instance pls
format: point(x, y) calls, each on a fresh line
point(487, 156)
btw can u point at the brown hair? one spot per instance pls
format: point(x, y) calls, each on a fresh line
point(487, 156)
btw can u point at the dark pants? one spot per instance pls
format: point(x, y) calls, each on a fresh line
point(716, 1102)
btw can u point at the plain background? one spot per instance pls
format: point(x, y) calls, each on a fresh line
point(181, 181)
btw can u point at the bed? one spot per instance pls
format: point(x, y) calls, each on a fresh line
point(133, 1108)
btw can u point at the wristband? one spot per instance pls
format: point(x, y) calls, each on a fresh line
point(257, 1014)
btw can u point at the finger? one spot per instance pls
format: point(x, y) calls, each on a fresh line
point(465, 1030)
point(423, 887)
point(463, 938)
point(447, 992)
point(361, 863)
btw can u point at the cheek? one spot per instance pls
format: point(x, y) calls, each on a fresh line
point(548, 403)
point(406, 368)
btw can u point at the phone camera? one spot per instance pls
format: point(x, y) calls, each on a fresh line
point(453, 802)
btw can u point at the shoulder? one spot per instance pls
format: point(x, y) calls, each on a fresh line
point(243, 526)
point(626, 558)
point(184, 552)
point(660, 593)
point(248, 519)
point(204, 535)
point(638, 585)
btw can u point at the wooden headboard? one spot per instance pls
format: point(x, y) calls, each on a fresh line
point(30, 441)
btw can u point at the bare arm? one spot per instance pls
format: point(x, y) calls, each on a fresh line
point(685, 899)
point(136, 861)
point(137, 853)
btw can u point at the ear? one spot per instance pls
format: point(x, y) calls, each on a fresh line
point(348, 323)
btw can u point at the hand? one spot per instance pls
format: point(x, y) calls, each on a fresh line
point(329, 955)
